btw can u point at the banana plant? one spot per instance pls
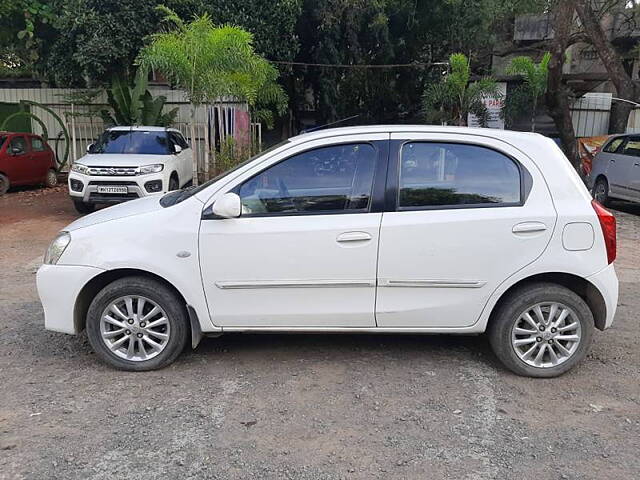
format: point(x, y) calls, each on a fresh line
point(136, 106)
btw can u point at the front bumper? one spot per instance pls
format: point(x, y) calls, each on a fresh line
point(606, 281)
point(88, 193)
point(58, 288)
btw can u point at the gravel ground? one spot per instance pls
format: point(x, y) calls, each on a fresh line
point(304, 406)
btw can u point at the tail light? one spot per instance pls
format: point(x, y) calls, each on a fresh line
point(608, 225)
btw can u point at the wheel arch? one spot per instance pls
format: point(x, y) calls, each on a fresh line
point(579, 285)
point(97, 283)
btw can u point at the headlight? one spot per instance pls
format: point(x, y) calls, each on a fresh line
point(150, 169)
point(80, 168)
point(57, 248)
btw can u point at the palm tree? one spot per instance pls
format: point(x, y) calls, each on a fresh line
point(210, 62)
point(451, 100)
point(534, 76)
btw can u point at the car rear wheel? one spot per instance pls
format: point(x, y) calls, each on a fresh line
point(82, 207)
point(541, 330)
point(601, 191)
point(137, 324)
point(4, 184)
point(52, 178)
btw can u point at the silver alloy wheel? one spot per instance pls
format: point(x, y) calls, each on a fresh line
point(52, 178)
point(546, 334)
point(600, 192)
point(135, 328)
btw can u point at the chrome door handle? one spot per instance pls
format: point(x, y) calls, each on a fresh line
point(353, 237)
point(636, 164)
point(612, 160)
point(529, 227)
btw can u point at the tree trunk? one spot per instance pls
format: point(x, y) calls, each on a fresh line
point(612, 61)
point(557, 96)
point(533, 114)
point(194, 143)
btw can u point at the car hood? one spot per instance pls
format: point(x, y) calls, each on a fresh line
point(122, 210)
point(121, 159)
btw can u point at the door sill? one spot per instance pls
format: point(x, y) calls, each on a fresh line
point(471, 329)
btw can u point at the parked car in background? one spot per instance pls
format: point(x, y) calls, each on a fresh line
point(615, 172)
point(130, 162)
point(25, 159)
point(407, 229)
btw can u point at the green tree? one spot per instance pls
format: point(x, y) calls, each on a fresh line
point(98, 40)
point(451, 100)
point(210, 62)
point(534, 86)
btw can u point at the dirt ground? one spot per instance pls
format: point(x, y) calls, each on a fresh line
point(304, 406)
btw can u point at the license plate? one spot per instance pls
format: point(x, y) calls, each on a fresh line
point(115, 189)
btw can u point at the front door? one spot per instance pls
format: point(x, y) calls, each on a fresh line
point(20, 167)
point(304, 251)
point(462, 217)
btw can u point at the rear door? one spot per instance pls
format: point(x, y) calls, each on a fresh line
point(461, 216)
point(621, 166)
point(41, 157)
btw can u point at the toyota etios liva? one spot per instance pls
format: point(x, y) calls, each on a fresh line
point(407, 229)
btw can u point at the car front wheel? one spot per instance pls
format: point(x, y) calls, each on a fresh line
point(82, 207)
point(601, 191)
point(137, 324)
point(541, 330)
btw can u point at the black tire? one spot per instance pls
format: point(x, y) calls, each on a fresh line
point(516, 304)
point(155, 291)
point(52, 178)
point(601, 191)
point(82, 207)
point(174, 183)
point(4, 184)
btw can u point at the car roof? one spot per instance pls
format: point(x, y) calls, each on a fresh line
point(507, 135)
point(142, 128)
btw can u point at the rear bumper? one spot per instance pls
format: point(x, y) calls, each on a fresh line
point(606, 281)
point(58, 288)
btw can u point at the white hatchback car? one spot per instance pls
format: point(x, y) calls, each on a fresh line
point(130, 162)
point(398, 229)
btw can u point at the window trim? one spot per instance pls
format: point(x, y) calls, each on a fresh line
point(380, 148)
point(393, 190)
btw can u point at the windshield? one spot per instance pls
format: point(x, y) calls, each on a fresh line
point(178, 196)
point(132, 141)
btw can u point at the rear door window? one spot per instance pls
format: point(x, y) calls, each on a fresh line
point(37, 145)
point(632, 147)
point(439, 175)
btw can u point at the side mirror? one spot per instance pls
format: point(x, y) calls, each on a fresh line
point(228, 206)
point(177, 149)
point(90, 147)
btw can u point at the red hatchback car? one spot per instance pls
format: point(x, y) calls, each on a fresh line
point(25, 159)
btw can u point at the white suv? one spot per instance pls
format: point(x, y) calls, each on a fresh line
point(399, 229)
point(130, 162)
